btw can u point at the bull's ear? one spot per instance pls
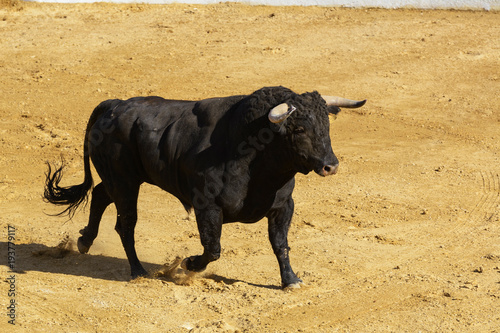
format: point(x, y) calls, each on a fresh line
point(280, 112)
point(333, 110)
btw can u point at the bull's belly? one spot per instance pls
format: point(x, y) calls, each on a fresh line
point(254, 208)
point(250, 212)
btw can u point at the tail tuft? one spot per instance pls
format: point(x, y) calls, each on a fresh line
point(72, 196)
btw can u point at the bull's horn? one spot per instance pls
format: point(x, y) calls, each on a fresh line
point(342, 102)
point(280, 112)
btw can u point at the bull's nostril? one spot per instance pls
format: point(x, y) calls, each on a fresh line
point(330, 169)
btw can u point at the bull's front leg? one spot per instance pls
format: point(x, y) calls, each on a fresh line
point(209, 222)
point(279, 223)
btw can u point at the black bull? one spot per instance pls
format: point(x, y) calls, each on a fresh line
point(230, 159)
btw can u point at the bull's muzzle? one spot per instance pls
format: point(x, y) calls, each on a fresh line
point(329, 169)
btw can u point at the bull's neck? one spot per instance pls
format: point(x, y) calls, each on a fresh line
point(271, 164)
point(264, 150)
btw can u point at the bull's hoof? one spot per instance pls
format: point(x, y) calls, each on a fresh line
point(292, 282)
point(189, 264)
point(141, 272)
point(296, 285)
point(293, 286)
point(82, 248)
point(184, 264)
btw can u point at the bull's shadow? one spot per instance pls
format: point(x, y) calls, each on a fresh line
point(42, 258)
point(57, 260)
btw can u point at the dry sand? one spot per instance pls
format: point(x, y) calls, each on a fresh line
point(404, 239)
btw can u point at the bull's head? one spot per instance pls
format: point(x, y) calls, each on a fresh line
point(306, 125)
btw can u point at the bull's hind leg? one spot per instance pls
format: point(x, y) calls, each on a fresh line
point(100, 200)
point(126, 206)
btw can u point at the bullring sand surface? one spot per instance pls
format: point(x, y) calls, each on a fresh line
point(405, 238)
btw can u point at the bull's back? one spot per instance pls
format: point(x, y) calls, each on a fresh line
point(154, 140)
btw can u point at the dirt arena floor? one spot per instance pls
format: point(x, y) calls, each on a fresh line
point(406, 238)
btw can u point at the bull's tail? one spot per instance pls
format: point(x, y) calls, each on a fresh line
point(72, 196)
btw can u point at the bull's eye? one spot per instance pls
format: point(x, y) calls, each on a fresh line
point(299, 130)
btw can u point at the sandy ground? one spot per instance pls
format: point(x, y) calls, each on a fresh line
point(404, 239)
